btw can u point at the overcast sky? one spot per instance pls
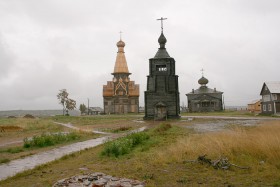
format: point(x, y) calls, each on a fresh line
point(49, 45)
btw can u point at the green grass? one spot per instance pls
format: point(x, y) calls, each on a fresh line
point(12, 150)
point(141, 141)
point(45, 140)
point(124, 145)
point(4, 160)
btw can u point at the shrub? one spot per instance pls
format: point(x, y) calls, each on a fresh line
point(28, 116)
point(45, 140)
point(124, 145)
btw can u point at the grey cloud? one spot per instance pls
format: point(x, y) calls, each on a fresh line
point(6, 60)
point(70, 44)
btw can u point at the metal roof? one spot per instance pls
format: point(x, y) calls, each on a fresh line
point(204, 89)
point(273, 86)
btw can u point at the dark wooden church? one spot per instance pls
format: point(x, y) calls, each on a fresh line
point(162, 95)
point(205, 99)
point(121, 95)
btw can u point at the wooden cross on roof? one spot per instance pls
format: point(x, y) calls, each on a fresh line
point(202, 72)
point(121, 35)
point(161, 19)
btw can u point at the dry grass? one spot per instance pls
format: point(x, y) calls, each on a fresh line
point(160, 163)
point(261, 143)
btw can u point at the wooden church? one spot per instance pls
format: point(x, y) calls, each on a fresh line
point(121, 95)
point(205, 99)
point(162, 95)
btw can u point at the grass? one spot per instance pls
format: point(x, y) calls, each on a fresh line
point(121, 129)
point(45, 140)
point(160, 159)
point(124, 145)
point(261, 143)
point(4, 160)
point(12, 150)
point(94, 120)
point(18, 151)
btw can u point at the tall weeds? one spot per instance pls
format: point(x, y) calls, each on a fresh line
point(259, 143)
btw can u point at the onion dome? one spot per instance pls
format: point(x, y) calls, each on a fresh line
point(120, 44)
point(162, 41)
point(203, 81)
point(162, 53)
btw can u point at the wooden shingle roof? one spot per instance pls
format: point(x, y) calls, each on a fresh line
point(120, 64)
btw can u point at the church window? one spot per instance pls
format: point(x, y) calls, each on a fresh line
point(161, 67)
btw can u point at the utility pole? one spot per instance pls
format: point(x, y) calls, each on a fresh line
point(88, 106)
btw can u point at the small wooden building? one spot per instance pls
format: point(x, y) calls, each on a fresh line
point(205, 99)
point(270, 103)
point(255, 106)
point(95, 110)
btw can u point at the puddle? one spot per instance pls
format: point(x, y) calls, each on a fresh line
point(221, 125)
point(16, 166)
point(100, 132)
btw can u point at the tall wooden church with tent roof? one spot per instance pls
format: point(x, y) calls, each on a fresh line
point(270, 98)
point(205, 99)
point(162, 95)
point(121, 95)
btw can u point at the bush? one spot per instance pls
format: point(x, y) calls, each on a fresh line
point(45, 140)
point(124, 145)
point(29, 116)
